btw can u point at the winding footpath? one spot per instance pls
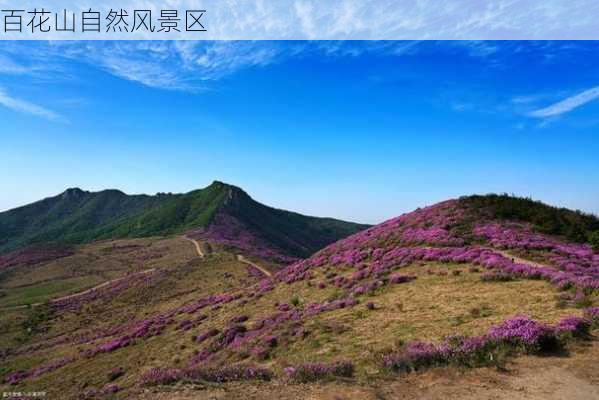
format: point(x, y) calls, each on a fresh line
point(196, 244)
point(517, 259)
point(240, 257)
point(86, 291)
point(198, 249)
point(244, 260)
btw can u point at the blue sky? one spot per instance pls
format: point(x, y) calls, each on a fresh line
point(362, 131)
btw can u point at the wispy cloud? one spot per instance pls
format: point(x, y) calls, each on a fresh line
point(174, 65)
point(567, 104)
point(195, 65)
point(26, 107)
point(8, 66)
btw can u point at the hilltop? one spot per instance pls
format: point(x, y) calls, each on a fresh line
point(220, 212)
point(452, 287)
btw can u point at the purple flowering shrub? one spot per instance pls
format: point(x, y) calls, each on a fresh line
point(361, 265)
point(254, 272)
point(115, 374)
point(525, 333)
point(592, 315)
point(467, 351)
point(109, 389)
point(17, 377)
point(575, 326)
point(208, 334)
point(239, 319)
point(414, 356)
point(143, 329)
point(399, 278)
point(34, 255)
point(107, 293)
point(572, 259)
point(513, 335)
point(374, 267)
point(161, 376)
point(228, 231)
point(311, 372)
point(228, 373)
point(496, 276)
point(376, 252)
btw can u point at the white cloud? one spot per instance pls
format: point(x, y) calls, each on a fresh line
point(567, 105)
point(8, 66)
point(26, 107)
point(195, 66)
point(174, 65)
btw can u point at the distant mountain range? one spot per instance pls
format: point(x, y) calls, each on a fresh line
point(221, 212)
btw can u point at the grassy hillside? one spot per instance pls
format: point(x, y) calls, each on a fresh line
point(279, 231)
point(77, 216)
point(37, 279)
point(574, 225)
point(411, 294)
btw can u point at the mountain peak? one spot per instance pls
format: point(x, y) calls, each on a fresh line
point(231, 191)
point(77, 216)
point(225, 185)
point(73, 193)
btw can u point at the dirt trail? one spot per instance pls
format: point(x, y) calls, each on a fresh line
point(244, 260)
point(100, 286)
point(86, 291)
point(240, 258)
point(147, 271)
point(196, 244)
point(517, 259)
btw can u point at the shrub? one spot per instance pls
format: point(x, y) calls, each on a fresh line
point(399, 278)
point(229, 373)
point(592, 314)
point(311, 372)
point(295, 301)
point(116, 373)
point(239, 319)
point(413, 356)
point(518, 333)
point(271, 341)
point(161, 376)
point(546, 219)
point(575, 326)
point(260, 352)
point(236, 372)
point(111, 388)
point(496, 276)
point(208, 334)
point(581, 300)
point(526, 334)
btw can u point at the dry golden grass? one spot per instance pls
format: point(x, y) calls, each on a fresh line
point(91, 265)
point(428, 308)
